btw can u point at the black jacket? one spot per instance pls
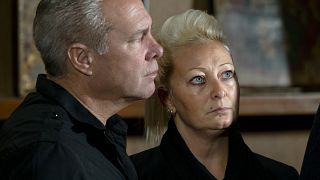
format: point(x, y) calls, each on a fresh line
point(173, 160)
point(310, 169)
point(52, 136)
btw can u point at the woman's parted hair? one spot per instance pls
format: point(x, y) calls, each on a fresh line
point(59, 23)
point(178, 30)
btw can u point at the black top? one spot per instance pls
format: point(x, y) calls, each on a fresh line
point(310, 169)
point(52, 136)
point(173, 160)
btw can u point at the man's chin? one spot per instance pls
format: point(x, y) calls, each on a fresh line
point(148, 92)
point(142, 95)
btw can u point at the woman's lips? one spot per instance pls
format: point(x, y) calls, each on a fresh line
point(220, 110)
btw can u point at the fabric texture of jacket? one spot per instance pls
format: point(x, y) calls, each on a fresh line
point(53, 136)
point(310, 169)
point(173, 160)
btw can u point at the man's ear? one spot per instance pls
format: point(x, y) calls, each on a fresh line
point(163, 95)
point(80, 58)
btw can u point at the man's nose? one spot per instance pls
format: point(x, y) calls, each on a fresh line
point(156, 50)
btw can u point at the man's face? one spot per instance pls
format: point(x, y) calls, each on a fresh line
point(128, 68)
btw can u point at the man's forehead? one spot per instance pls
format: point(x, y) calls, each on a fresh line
point(131, 14)
point(121, 7)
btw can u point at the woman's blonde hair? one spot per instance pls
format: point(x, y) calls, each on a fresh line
point(178, 30)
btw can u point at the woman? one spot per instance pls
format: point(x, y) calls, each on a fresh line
point(197, 85)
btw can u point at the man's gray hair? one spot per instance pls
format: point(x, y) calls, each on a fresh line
point(59, 23)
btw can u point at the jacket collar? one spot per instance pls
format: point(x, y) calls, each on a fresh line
point(242, 162)
point(180, 158)
point(61, 96)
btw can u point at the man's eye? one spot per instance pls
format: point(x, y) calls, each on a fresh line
point(227, 74)
point(136, 40)
point(197, 80)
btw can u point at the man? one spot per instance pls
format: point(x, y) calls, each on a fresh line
point(99, 56)
point(311, 163)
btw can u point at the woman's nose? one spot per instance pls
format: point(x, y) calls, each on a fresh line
point(218, 91)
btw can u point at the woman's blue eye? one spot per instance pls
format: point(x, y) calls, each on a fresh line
point(227, 74)
point(197, 80)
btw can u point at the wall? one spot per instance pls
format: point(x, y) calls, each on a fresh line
point(161, 10)
point(7, 77)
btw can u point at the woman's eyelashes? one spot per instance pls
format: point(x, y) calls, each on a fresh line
point(198, 80)
point(227, 74)
point(201, 79)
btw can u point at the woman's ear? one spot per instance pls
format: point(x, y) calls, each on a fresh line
point(163, 95)
point(80, 58)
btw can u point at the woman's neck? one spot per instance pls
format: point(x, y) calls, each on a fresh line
point(210, 148)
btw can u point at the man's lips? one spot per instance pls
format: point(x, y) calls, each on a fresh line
point(152, 74)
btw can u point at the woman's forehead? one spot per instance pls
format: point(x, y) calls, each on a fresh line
point(201, 53)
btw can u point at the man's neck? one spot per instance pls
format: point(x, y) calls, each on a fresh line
point(101, 108)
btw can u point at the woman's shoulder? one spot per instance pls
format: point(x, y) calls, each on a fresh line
point(278, 169)
point(151, 164)
point(148, 155)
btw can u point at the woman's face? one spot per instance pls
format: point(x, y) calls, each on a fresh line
point(204, 89)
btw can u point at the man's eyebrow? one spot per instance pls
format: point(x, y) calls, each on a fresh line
point(140, 31)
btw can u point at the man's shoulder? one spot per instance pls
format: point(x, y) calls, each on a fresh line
point(35, 120)
point(61, 159)
point(35, 105)
point(278, 169)
point(41, 159)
